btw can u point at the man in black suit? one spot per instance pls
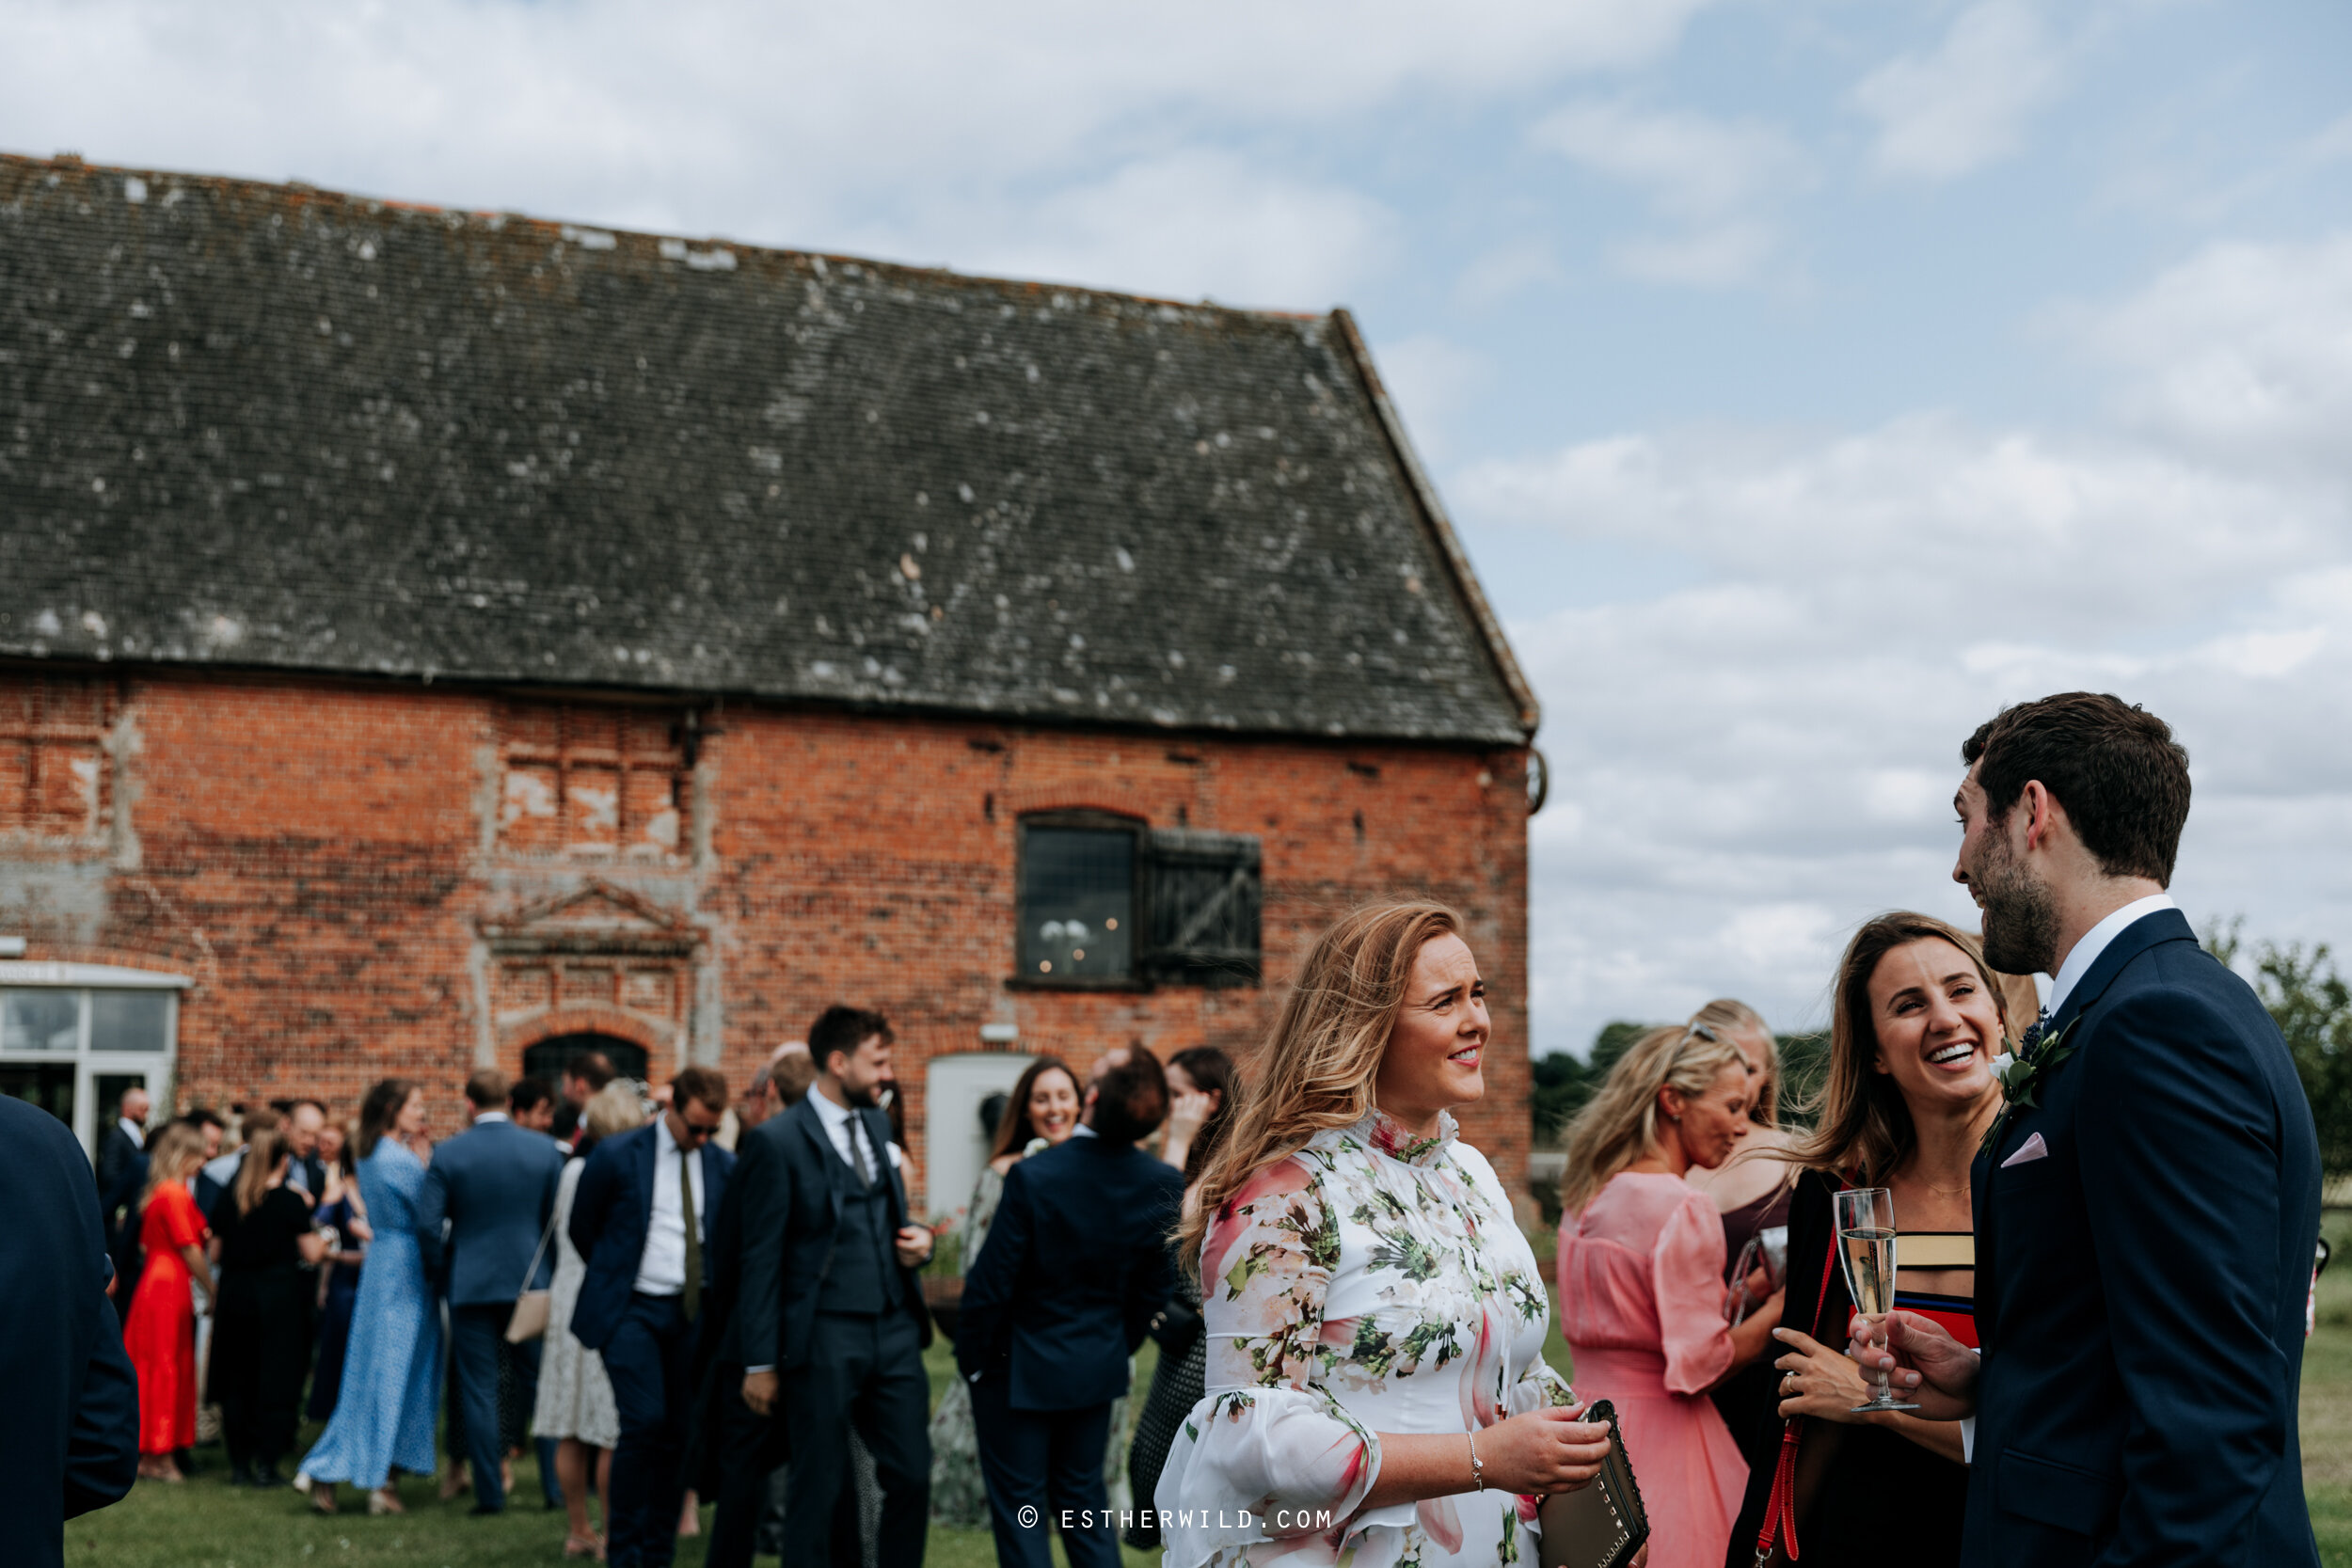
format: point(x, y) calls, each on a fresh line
point(69, 1438)
point(1075, 1267)
point(641, 1219)
point(830, 1322)
point(2147, 1209)
point(121, 1172)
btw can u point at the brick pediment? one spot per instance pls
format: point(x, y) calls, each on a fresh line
point(596, 917)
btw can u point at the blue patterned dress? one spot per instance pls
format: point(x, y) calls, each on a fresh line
point(384, 1417)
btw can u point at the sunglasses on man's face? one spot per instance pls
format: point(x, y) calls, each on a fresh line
point(697, 1132)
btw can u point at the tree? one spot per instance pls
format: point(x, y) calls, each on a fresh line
point(2310, 999)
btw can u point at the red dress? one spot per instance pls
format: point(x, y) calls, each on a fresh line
point(160, 1333)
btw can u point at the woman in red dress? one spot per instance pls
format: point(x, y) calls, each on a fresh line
point(160, 1333)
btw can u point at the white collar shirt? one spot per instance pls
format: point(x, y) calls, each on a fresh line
point(1083, 1131)
point(139, 1137)
point(486, 1117)
point(662, 1267)
point(2094, 942)
point(841, 1125)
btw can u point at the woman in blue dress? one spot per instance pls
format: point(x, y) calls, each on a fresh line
point(384, 1417)
point(344, 1210)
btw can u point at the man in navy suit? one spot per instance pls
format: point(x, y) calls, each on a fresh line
point(642, 1220)
point(829, 1322)
point(1076, 1268)
point(121, 1172)
point(495, 1184)
point(2147, 1210)
point(69, 1438)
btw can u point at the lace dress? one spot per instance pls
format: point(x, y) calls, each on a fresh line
point(575, 1393)
point(1371, 1282)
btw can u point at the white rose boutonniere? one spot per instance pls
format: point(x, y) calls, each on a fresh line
point(2022, 1071)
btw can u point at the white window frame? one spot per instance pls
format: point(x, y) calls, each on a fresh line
point(89, 1066)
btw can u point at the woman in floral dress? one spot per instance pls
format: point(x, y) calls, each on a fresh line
point(1376, 1387)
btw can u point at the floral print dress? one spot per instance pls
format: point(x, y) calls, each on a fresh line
point(1371, 1283)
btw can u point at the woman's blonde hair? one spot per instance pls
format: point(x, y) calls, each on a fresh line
point(1862, 1129)
point(263, 1152)
point(1727, 1017)
point(613, 1109)
point(1619, 1125)
point(1316, 1069)
point(178, 1149)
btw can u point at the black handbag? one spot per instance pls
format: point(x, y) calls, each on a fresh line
point(1174, 1327)
point(1603, 1523)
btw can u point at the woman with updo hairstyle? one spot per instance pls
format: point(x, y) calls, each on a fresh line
point(1376, 1386)
point(1642, 1278)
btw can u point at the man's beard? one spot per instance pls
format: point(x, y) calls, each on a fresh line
point(865, 1098)
point(2021, 920)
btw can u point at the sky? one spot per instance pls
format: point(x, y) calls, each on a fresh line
point(1807, 380)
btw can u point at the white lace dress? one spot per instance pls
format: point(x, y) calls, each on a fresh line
point(1371, 1282)
point(574, 1394)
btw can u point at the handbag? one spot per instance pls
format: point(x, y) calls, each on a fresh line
point(1601, 1524)
point(530, 1318)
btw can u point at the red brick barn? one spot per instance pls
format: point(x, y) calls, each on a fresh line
point(432, 638)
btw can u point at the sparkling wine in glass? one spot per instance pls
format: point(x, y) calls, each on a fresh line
point(1866, 1250)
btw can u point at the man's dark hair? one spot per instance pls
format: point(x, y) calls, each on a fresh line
point(592, 1068)
point(843, 1029)
point(1131, 1098)
point(528, 1095)
point(202, 1117)
point(705, 1084)
point(2114, 766)
point(487, 1088)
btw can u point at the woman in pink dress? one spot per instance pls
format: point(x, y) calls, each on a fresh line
point(1641, 1279)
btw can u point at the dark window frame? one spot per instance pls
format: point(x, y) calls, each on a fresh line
point(1139, 900)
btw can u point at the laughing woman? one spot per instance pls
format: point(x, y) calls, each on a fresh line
point(1376, 1391)
point(1917, 1021)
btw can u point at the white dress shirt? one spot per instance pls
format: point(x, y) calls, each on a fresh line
point(841, 1126)
point(2078, 961)
point(2095, 941)
point(139, 1137)
point(661, 1268)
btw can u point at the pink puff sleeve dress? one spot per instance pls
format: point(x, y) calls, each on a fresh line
point(1641, 1305)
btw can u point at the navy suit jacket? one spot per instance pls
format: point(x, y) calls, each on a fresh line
point(1075, 1264)
point(70, 1440)
point(2140, 1290)
point(793, 1182)
point(494, 1184)
point(611, 1210)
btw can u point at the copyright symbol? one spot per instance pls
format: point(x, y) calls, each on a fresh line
point(1027, 1518)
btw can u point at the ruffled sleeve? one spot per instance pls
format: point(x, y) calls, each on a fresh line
point(1688, 1268)
point(1267, 1455)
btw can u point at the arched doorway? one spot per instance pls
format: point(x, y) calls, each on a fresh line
point(549, 1057)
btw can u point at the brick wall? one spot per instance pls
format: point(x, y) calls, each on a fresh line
point(360, 885)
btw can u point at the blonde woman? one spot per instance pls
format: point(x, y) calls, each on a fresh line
point(1641, 1278)
point(160, 1329)
point(1376, 1391)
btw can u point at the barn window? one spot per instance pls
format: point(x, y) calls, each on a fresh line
point(53, 757)
point(593, 779)
point(1105, 900)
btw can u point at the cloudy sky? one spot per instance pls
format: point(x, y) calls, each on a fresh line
point(1808, 378)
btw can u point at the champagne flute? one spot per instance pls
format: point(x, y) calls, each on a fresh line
point(1866, 1251)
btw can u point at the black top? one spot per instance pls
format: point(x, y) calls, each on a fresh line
point(266, 1238)
point(1881, 1493)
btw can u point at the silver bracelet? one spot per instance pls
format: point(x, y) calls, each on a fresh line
point(1478, 1466)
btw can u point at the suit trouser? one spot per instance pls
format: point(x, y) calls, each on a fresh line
point(867, 1370)
point(744, 1451)
point(650, 1362)
point(1050, 1461)
point(477, 1336)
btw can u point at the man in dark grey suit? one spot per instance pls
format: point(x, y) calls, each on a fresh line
point(495, 1184)
point(829, 1324)
point(121, 1172)
point(2146, 1209)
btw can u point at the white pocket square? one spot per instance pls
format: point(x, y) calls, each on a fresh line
point(2027, 1152)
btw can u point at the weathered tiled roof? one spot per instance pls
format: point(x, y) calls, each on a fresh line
point(266, 425)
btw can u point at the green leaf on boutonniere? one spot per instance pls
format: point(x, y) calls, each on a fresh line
point(2022, 1073)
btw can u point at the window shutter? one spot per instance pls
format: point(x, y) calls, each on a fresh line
point(1204, 896)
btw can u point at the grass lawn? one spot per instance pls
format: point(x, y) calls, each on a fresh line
point(206, 1524)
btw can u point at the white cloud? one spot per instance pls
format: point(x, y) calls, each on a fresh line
point(1965, 103)
point(1715, 181)
point(1431, 379)
point(1763, 759)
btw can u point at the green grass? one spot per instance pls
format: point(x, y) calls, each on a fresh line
point(205, 1524)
